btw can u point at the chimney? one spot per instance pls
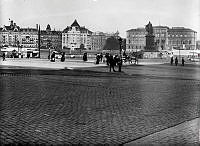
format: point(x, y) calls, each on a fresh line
point(37, 26)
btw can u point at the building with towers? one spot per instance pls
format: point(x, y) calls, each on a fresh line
point(74, 36)
point(51, 39)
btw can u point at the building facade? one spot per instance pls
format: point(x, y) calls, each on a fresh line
point(10, 35)
point(75, 35)
point(135, 39)
point(198, 45)
point(161, 37)
point(98, 40)
point(52, 39)
point(182, 38)
point(29, 38)
point(165, 38)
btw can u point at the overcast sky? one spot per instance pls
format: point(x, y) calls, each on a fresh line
point(101, 15)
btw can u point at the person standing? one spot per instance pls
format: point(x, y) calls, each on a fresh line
point(172, 60)
point(101, 57)
point(63, 57)
point(112, 63)
point(4, 56)
point(53, 55)
point(107, 58)
point(183, 61)
point(97, 58)
point(176, 61)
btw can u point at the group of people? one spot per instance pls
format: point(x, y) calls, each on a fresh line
point(113, 61)
point(176, 61)
point(53, 57)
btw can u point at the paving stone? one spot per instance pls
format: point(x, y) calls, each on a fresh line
point(55, 109)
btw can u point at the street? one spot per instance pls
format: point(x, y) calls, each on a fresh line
point(93, 106)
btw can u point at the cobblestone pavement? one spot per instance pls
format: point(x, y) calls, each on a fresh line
point(73, 107)
point(186, 133)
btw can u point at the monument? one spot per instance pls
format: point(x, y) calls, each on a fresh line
point(149, 38)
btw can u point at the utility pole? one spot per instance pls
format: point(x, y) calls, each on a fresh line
point(39, 41)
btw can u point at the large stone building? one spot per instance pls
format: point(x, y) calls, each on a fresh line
point(161, 37)
point(51, 39)
point(165, 38)
point(182, 38)
point(198, 44)
point(14, 36)
point(135, 39)
point(99, 39)
point(75, 35)
point(10, 35)
point(29, 38)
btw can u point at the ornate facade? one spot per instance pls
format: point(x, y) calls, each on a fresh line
point(75, 35)
point(52, 39)
point(10, 35)
point(29, 37)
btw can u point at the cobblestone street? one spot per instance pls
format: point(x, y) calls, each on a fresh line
point(92, 107)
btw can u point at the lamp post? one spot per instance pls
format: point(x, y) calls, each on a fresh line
point(49, 46)
point(39, 41)
point(120, 52)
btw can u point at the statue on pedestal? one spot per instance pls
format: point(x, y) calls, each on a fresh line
point(149, 38)
point(149, 28)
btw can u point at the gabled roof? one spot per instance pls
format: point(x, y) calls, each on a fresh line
point(75, 24)
point(77, 27)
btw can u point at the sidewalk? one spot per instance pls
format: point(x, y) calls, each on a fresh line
point(69, 63)
point(187, 133)
point(44, 63)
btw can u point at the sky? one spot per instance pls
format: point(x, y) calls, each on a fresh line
point(102, 15)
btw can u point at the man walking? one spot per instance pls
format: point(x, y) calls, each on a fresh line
point(183, 61)
point(4, 56)
point(112, 63)
point(172, 60)
point(176, 61)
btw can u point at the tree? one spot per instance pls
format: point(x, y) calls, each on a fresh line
point(111, 44)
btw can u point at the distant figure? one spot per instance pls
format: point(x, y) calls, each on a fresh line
point(4, 56)
point(53, 55)
point(85, 57)
point(101, 57)
point(112, 63)
point(183, 61)
point(28, 55)
point(176, 61)
point(97, 58)
point(107, 58)
point(172, 60)
point(63, 57)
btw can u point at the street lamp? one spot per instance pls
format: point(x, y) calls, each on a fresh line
point(49, 46)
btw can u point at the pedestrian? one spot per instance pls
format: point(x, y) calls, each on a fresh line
point(183, 61)
point(97, 58)
point(53, 57)
point(112, 63)
point(4, 56)
point(176, 61)
point(85, 56)
point(63, 57)
point(107, 58)
point(101, 57)
point(172, 60)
